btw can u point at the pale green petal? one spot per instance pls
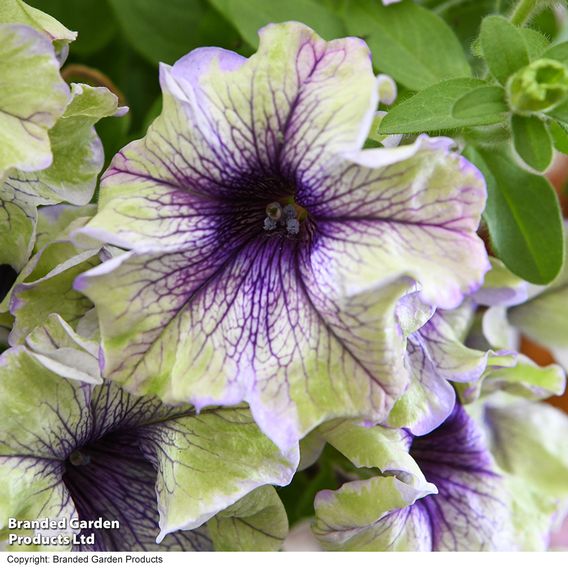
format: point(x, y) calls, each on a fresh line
point(61, 350)
point(436, 357)
point(31, 489)
point(58, 408)
point(18, 12)
point(348, 519)
point(33, 300)
point(78, 155)
point(470, 392)
point(545, 320)
point(533, 514)
point(393, 507)
point(418, 216)
point(56, 250)
point(45, 284)
point(17, 228)
point(56, 221)
point(497, 329)
point(501, 286)
point(32, 97)
point(382, 448)
point(529, 440)
point(311, 447)
point(257, 522)
point(426, 402)
point(209, 461)
point(164, 344)
point(526, 379)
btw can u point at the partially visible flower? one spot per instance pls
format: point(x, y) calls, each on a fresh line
point(537, 312)
point(529, 443)
point(93, 451)
point(49, 150)
point(67, 168)
point(267, 253)
point(18, 12)
point(30, 69)
point(387, 2)
point(456, 489)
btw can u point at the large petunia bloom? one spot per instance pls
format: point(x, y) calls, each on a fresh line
point(90, 451)
point(266, 251)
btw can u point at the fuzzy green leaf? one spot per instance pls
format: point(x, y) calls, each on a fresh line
point(503, 47)
point(532, 141)
point(431, 109)
point(523, 216)
point(483, 102)
point(410, 43)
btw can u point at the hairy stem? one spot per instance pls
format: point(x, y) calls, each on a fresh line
point(523, 11)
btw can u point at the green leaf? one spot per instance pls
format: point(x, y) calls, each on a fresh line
point(532, 141)
point(560, 113)
point(523, 216)
point(559, 137)
point(410, 43)
point(162, 33)
point(558, 52)
point(535, 42)
point(431, 109)
point(484, 101)
point(503, 47)
point(248, 16)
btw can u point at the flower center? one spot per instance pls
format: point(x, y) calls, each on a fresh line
point(284, 216)
point(79, 457)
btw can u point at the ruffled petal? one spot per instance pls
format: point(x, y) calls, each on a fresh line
point(29, 70)
point(250, 330)
point(464, 505)
point(412, 210)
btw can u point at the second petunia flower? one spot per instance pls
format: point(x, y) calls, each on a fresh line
point(265, 251)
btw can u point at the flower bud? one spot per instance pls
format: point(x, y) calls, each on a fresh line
point(538, 87)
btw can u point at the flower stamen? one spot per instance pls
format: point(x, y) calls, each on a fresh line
point(287, 217)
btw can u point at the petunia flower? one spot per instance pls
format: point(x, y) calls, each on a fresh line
point(466, 486)
point(91, 451)
point(267, 252)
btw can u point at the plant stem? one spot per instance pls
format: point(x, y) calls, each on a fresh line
point(523, 11)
